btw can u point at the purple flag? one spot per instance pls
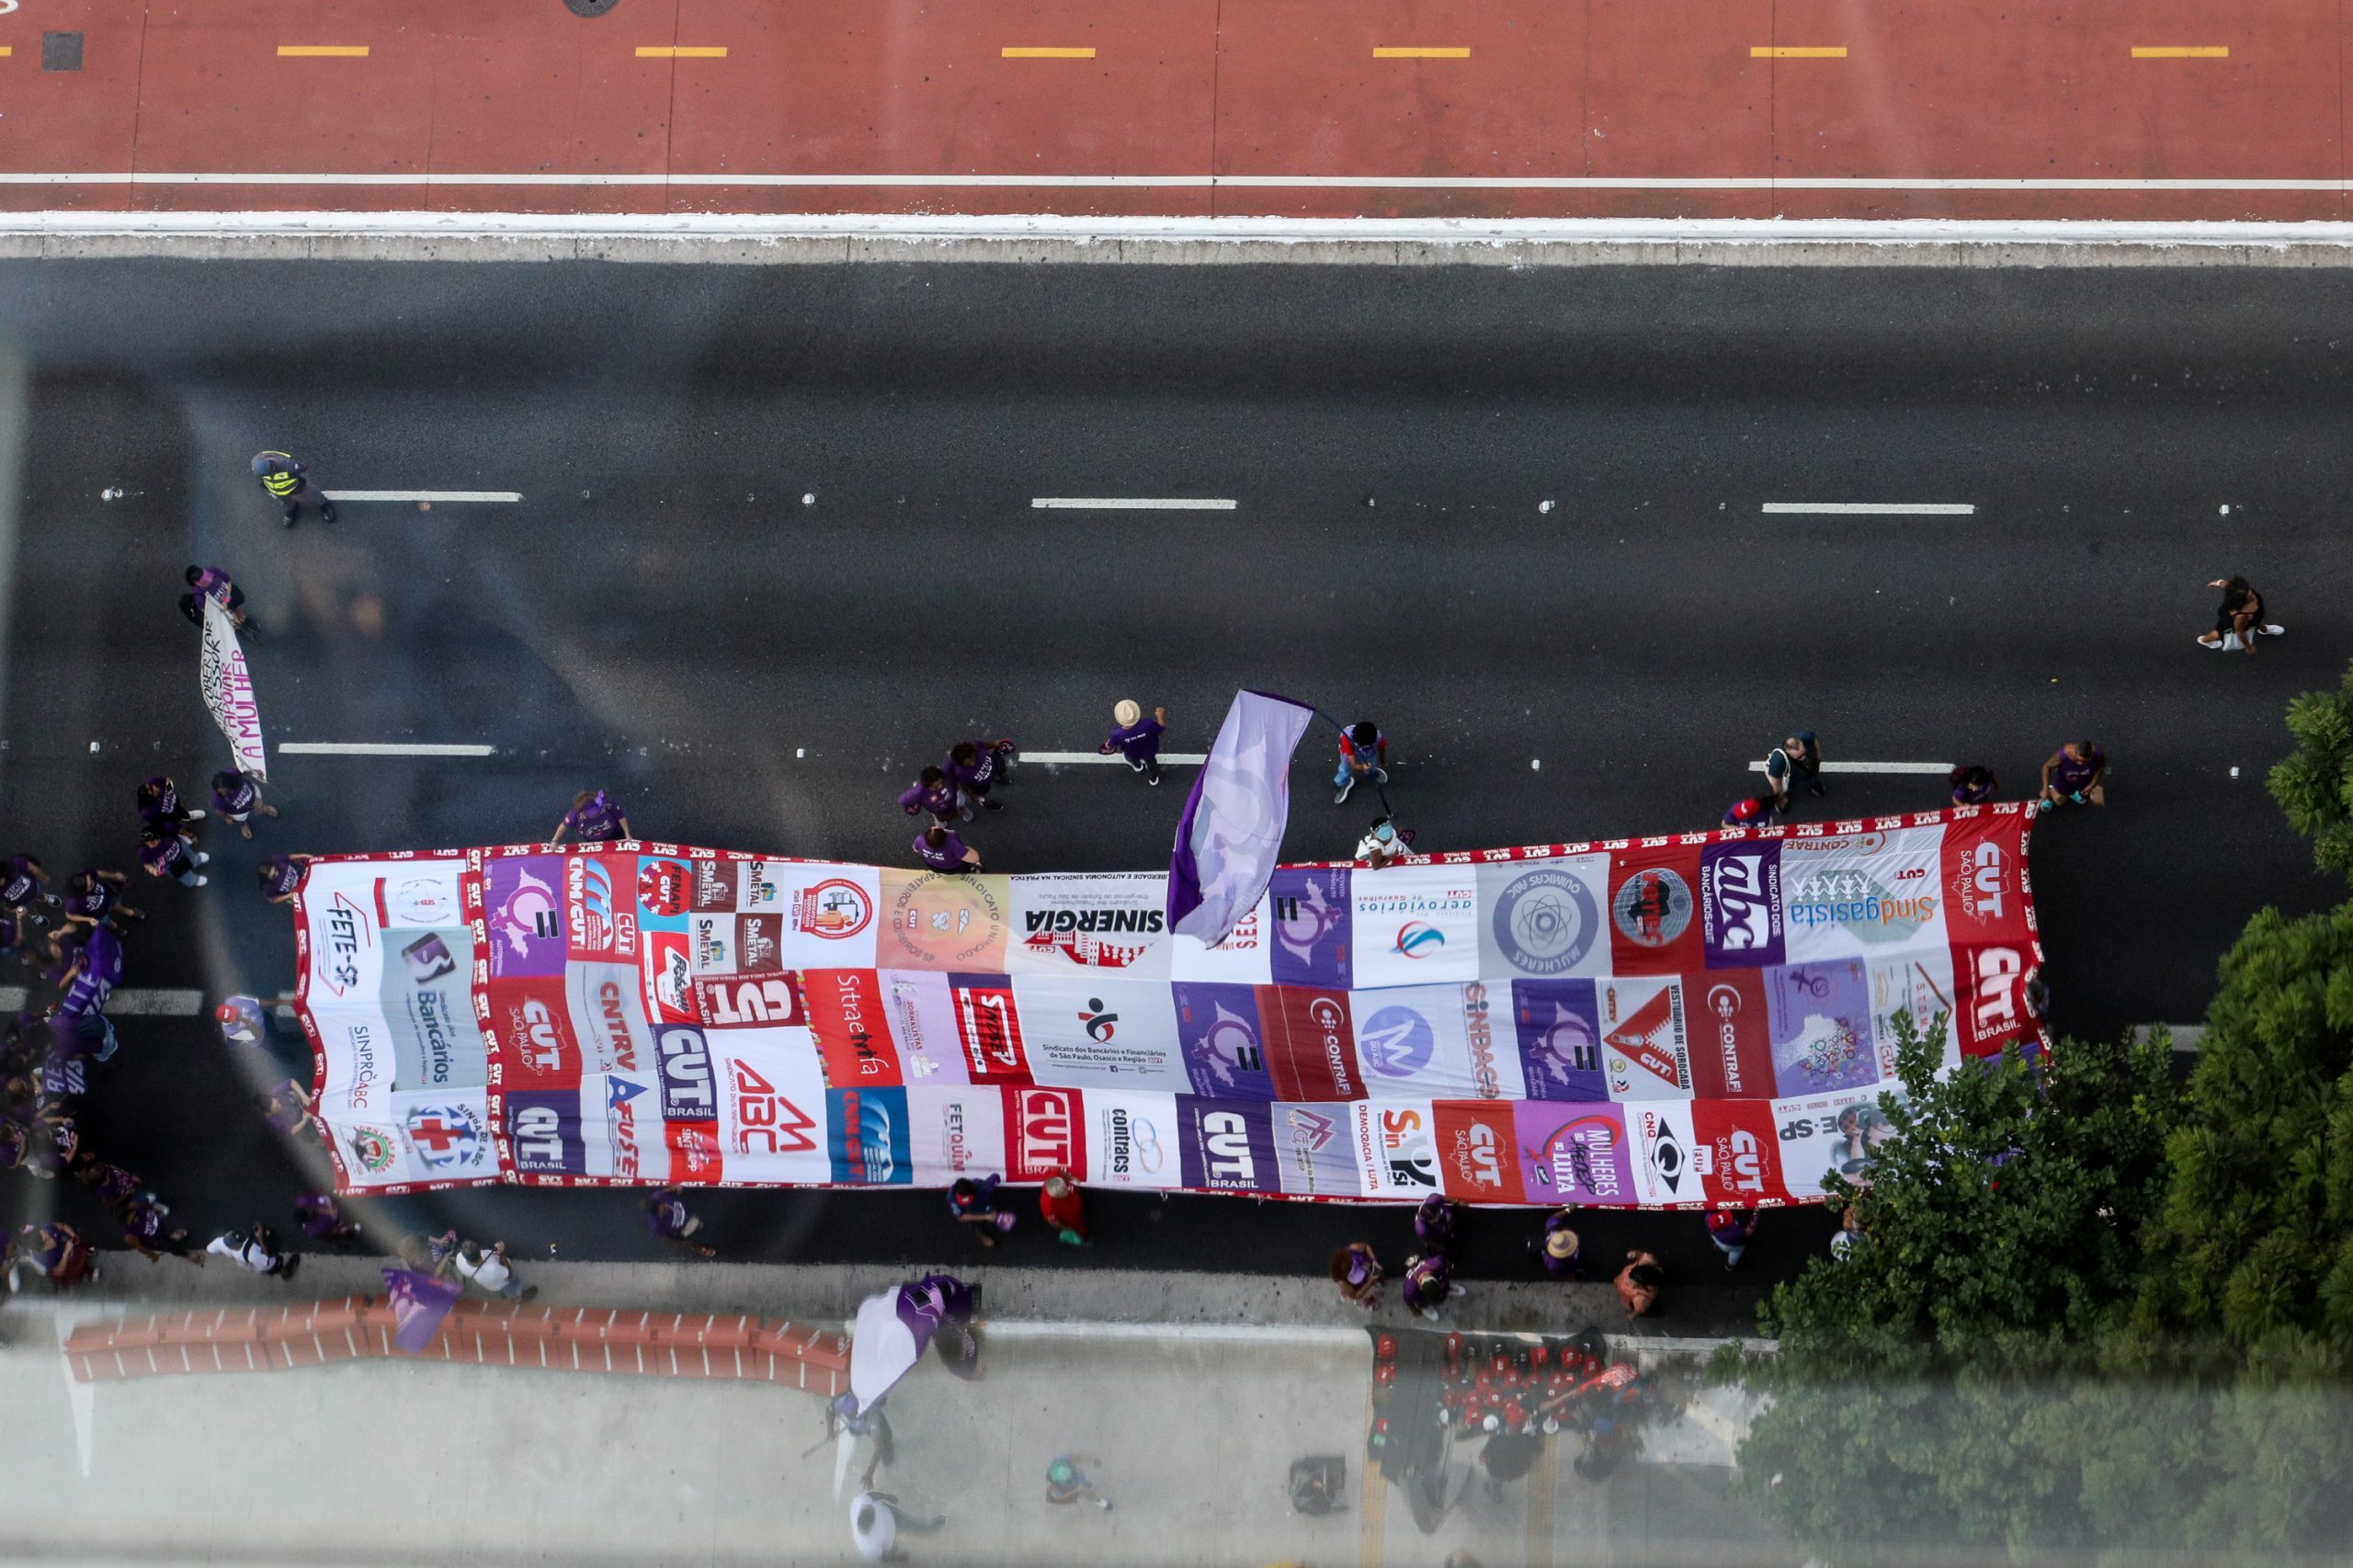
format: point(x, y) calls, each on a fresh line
point(1231, 831)
point(419, 1304)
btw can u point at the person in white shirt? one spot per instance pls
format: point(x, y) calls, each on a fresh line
point(875, 1523)
point(491, 1272)
point(256, 1250)
point(1383, 845)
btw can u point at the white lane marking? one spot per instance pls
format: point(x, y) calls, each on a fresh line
point(380, 748)
point(1125, 504)
point(1875, 508)
point(422, 495)
point(1168, 758)
point(1274, 182)
point(127, 1002)
point(1864, 766)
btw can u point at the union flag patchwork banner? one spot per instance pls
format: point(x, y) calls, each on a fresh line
point(1654, 1023)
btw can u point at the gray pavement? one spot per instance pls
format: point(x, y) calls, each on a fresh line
point(663, 613)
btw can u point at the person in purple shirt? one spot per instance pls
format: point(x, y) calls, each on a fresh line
point(973, 769)
point(24, 884)
point(159, 801)
point(2073, 775)
point(666, 1217)
point(211, 583)
point(95, 896)
point(1137, 738)
point(596, 817)
point(281, 874)
point(933, 794)
point(1428, 1283)
point(322, 1219)
point(938, 847)
point(236, 797)
point(164, 851)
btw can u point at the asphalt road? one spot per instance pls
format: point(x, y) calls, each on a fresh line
point(664, 614)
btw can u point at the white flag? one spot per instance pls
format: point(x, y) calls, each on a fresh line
point(229, 690)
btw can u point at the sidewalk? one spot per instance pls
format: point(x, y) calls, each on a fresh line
point(1192, 1423)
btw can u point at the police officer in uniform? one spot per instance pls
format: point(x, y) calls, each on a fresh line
point(282, 478)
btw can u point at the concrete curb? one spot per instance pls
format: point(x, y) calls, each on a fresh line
point(748, 240)
point(1039, 1302)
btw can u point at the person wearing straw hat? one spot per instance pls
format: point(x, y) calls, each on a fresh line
point(1561, 1247)
point(1137, 738)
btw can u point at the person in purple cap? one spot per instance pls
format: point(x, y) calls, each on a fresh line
point(211, 583)
point(280, 875)
point(322, 1219)
point(975, 768)
point(1434, 1223)
point(95, 897)
point(596, 816)
point(943, 849)
point(159, 801)
point(1136, 738)
point(1358, 1273)
point(236, 797)
point(932, 792)
point(666, 1217)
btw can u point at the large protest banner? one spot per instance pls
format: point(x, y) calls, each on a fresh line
point(1659, 1022)
point(228, 687)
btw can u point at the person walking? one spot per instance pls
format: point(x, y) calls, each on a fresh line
point(1429, 1284)
point(1730, 1230)
point(285, 481)
point(95, 897)
point(159, 801)
point(489, 1270)
point(2073, 775)
point(1561, 1251)
point(281, 875)
point(596, 817)
point(257, 1250)
point(943, 849)
point(1066, 1483)
point(1364, 754)
point(1434, 1223)
point(211, 583)
point(24, 889)
point(2240, 620)
point(666, 1217)
point(873, 1422)
point(56, 1251)
point(1972, 785)
point(236, 797)
point(974, 1203)
point(1063, 1210)
point(875, 1524)
point(975, 768)
point(1639, 1284)
point(147, 1230)
point(164, 851)
point(1358, 1273)
point(1383, 845)
point(932, 792)
point(1796, 761)
point(323, 1221)
point(1136, 738)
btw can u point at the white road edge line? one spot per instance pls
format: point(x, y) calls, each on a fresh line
point(1873, 508)
point(1167, 758)
point(1873, 767)
point(422, 495)
point(380, 748)
point(1125, 504)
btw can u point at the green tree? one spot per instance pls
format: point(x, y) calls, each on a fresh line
point(1918, 1392)
point(2314, 786)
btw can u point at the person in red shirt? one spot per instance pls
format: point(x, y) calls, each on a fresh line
point(1364, 754)
point(1063, 1209)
